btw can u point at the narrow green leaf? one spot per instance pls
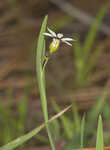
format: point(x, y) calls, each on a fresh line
point(40, 53)
point(92, 61)
point(76, 117)
point(82, 132)
point(92, 115)
point(92, 33)
point(56, 126)
point(41, 76)
point(100, 140)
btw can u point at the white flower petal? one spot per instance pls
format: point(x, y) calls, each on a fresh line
point(47, 34)
point(68, 39)
point(52, 32)
point(67, 43)
point(59, 35)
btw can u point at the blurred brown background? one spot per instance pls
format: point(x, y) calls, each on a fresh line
point(20, 22)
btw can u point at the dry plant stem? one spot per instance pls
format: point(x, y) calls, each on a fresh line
point(60, 113)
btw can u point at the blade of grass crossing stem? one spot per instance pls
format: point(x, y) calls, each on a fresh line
point(82, 131)
point(66, 122)
point(41, 77)
point(100, 140)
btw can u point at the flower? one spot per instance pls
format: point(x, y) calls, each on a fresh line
point(54, 45)
point(57, 38)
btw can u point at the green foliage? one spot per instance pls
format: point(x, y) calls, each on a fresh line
point(93, 31)
point(76, 117)
point(99, 140)
point(66, 122)
point(22, 113)
point(22, 106)
point(19, 141)
point(82, 132)
point(75, 130)
point(12, 126)
point(41, 77)
point(93, 114)
point(55, 128)
point(85, 63)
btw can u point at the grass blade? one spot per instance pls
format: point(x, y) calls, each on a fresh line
point(92, 33)
point(41, 77)
point(76, 117)
point(93, 114)
point(82, 132)
point(100, 141)
point(19, 141)
point(66, 122)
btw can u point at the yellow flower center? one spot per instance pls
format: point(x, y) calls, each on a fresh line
point(54, 45)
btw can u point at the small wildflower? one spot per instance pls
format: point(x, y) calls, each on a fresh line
point(57, 39)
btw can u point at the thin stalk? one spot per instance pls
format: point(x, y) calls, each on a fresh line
point(41, 77)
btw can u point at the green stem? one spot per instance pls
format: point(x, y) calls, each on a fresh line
point(45, 110)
